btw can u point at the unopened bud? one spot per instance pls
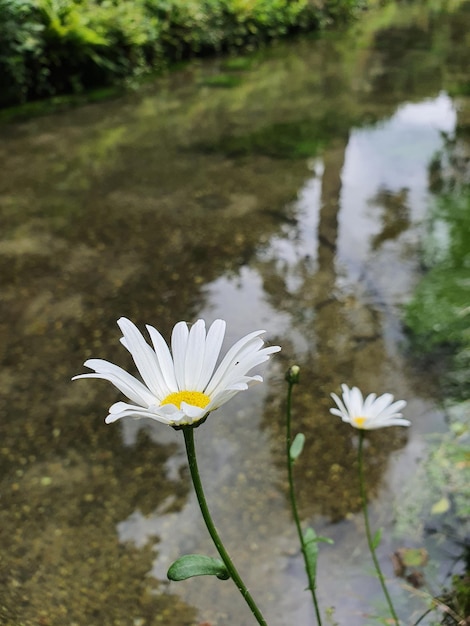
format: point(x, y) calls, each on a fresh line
point(293, 374)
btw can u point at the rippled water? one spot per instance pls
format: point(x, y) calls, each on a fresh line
point(293, 200)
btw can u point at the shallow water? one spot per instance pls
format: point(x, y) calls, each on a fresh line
point(294, 201)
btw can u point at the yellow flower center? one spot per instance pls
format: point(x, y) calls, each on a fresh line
point(359, 421)
point(194, 398)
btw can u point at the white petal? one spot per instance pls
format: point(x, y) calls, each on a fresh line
point(166, 414)
point(119, 407)
point(381, 403)
point(194, 412)
point(122, 380)
point(250, 361)
point(342, 409)
point(251, 380)
point(221, 398)
point(401, 422)
point(164, 358)
point(179, 340)
point(369, 401)
point(183, 420)
point(195, 351)
point(356, 402)
point(393, 420)
point(237, 372)
point(230, 358)
point(144, 357)
point(131, 412)
point(375, 424)
point(394, 409)
point(214, 340)
point(165, 409)
point(238, 386)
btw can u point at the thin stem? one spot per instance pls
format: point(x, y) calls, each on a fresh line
point(367, 525)
point(290, 463)
point(419, 620)
point(193, 468)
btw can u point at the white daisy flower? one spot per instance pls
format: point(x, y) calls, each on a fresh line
point(181, 387)
point(370, 413)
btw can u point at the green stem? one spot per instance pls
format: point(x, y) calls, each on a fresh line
point(367, 525)
point(188, 432)
point(420, 619)
point(290, 463)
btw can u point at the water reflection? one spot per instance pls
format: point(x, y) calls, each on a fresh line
point(291, 202)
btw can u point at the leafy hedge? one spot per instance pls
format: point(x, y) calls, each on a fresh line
point(50, 47)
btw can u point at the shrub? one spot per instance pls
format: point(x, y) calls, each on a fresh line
point(50, 47)
point(21, 45)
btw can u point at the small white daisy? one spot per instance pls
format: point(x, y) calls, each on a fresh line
point(181, 387)
point(370, 413)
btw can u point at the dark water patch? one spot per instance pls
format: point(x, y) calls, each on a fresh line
point(283, 140)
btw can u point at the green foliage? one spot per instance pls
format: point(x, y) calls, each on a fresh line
point(311, 541)
point(439, 491)
point(297, 446)
point(459, 597)
point(50, 47)
point(21, 44)
point(438, 317)
point(377, 538)
point(191, 565)
point(439, 314)
point(311, 550)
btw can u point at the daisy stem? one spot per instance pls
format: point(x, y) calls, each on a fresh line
point(188, 432)
point(370, 541)
point(290, 463)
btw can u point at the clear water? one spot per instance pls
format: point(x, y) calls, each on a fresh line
point(293, 200)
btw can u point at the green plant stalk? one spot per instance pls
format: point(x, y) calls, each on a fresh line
point(188, 432)
point(293, 501)
point(370, 542)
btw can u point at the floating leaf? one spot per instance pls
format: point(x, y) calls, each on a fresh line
point(191, 565)
point(413, 557)
point(441, 506)
point(377, 538)
point(297, 446)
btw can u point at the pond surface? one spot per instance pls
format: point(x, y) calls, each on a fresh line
point(287, 190)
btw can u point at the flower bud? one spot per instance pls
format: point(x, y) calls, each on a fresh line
point(293, 374)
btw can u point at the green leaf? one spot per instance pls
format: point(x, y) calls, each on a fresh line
point(311, 535)
point(297, 446)
point(311, 541)
point(377, 538)
point(191, 565)
point(311, 550)
point(413, 557)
